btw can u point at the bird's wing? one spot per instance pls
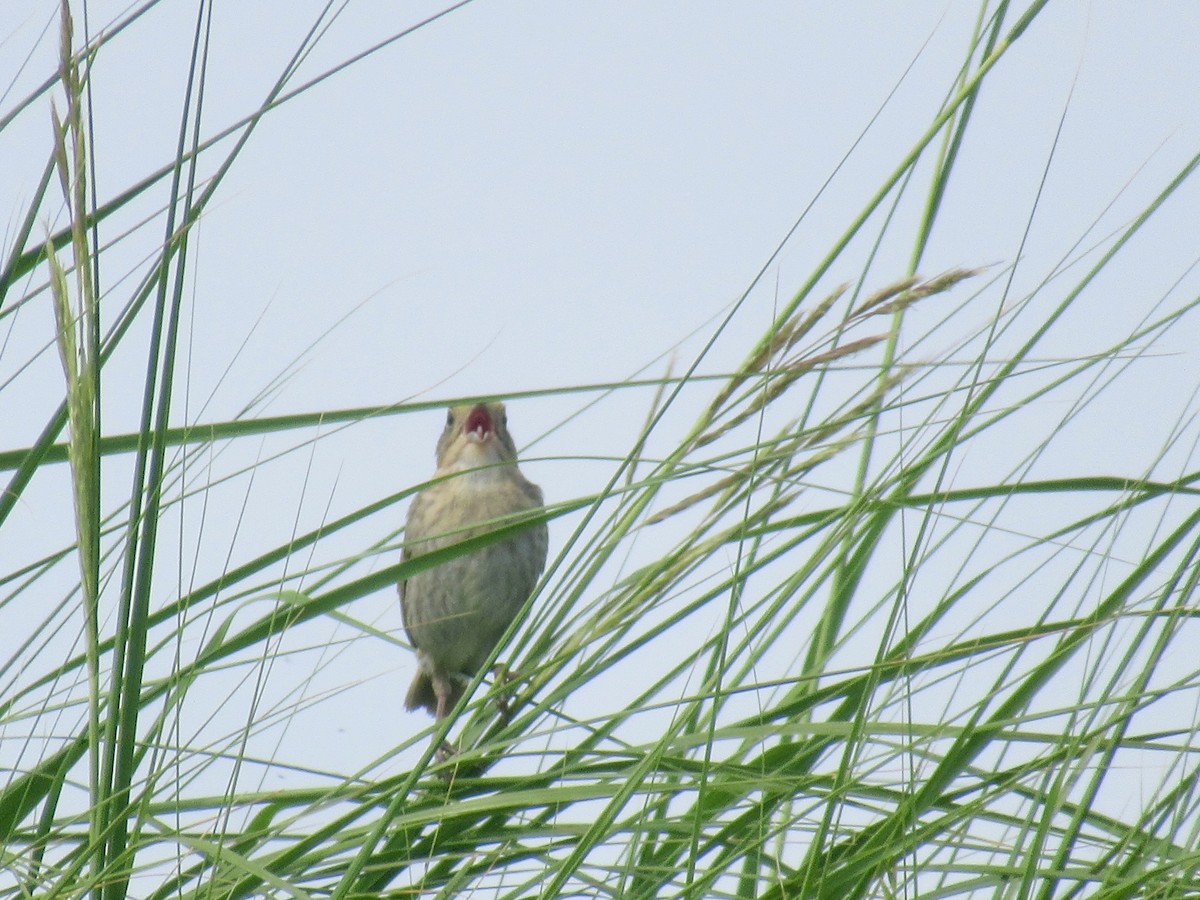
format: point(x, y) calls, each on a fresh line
point(406, 554)
point(541, 532)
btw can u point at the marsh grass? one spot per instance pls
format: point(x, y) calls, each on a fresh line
point(845, 669)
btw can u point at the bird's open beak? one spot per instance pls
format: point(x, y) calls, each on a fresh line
point(479, 426)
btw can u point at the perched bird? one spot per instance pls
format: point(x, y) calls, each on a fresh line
point(457, 611)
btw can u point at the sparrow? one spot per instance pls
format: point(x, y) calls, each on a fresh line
point(457, 611)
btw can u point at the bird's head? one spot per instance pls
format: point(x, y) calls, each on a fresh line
point(475, 437)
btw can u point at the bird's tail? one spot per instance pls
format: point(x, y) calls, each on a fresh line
point(420, 694)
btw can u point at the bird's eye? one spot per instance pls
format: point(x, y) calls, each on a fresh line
point(449, 418)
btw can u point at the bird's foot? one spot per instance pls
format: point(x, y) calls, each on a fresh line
point(504, 677)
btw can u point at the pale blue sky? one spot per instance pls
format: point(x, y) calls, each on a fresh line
point(529, 195)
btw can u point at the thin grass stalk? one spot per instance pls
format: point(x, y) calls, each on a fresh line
point(130, 640)
point(732, 803)
point(844, 586)
point(78, 342)
point(1188, 571)
point(848, 866)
